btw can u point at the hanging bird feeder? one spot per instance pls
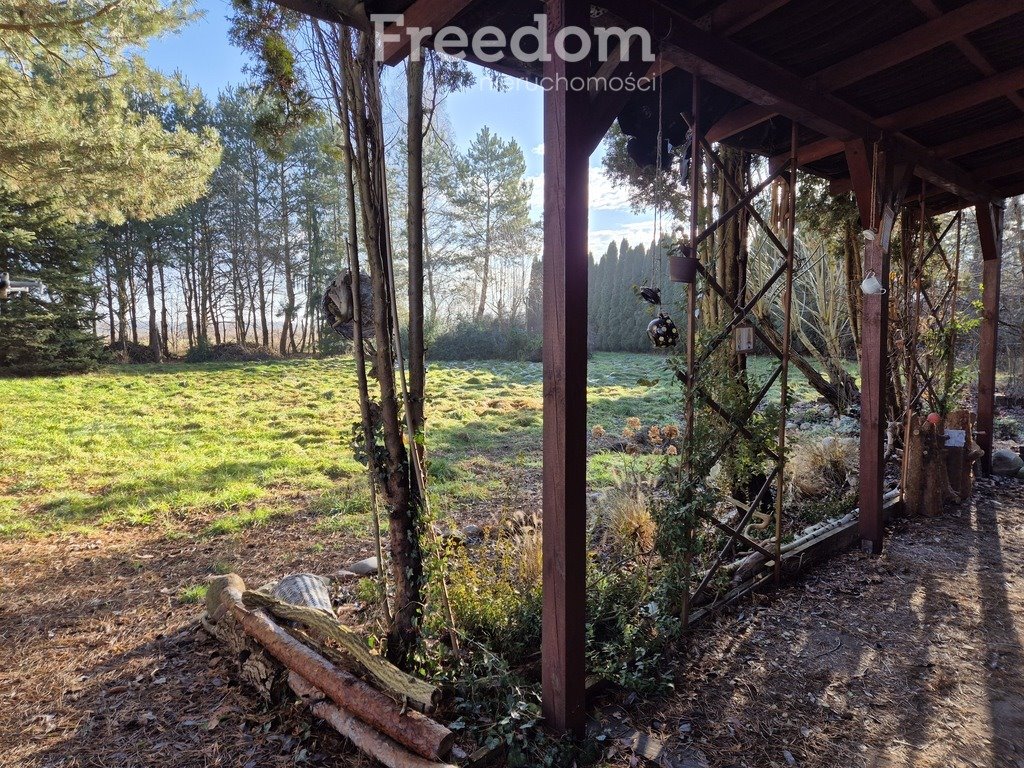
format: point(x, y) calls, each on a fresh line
point(682, 268)
point(743, 338)
point(651, 295)
point(663, 331)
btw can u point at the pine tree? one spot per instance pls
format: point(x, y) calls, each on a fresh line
point(80, 124)
point(49, 331)
point(492, 204)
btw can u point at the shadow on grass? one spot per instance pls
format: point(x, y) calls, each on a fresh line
point(171, 492)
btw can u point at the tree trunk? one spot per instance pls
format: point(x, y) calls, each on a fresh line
point(132, 306)
point(261, 288)
point(164, 324)
point(406, 560)
point(110, 293)
point(287, 332)
point(927, 477)
point(415, 227)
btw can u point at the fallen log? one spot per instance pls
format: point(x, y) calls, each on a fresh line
point(385, 674)
point(411, 729)
point(376, 745)
point(257, 669)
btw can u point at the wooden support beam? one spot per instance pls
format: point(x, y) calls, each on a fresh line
point(350, 12)
point(734, 68)
point(990, 232)
point(941, 106)
point(930, 10)
point(731, 16)
point(956, 100)
point(738, 121)
point(858, 158)
point(914, 42)
point(422, 14)
point(566, 169)
point(889, 185)
point(982, 140)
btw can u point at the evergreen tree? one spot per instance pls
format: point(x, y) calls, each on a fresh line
point(47, 331)
point(492, 203)
point(79, 119)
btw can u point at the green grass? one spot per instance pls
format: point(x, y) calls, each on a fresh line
point(213, 449)
point(193, 594)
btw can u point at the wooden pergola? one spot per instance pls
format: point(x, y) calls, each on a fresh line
point(898, 101)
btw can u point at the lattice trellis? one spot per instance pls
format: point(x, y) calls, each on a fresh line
point(736, 423)
point(928, 288)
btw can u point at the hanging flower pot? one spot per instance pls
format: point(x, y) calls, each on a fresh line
point(683, 268)
point(663, 331)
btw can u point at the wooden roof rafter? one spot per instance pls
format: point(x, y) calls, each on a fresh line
point(967, 48)
point(941, 29)
point(732, 16)
point(728, 65)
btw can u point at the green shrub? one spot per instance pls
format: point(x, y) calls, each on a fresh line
point(1007, 428)
point(487, 339)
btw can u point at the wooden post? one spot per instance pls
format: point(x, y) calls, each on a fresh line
point(880, 199)
point(990, 231)
point(566, 166)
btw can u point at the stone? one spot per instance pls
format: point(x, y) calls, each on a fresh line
point(473, 532)
point(1020, 474)
point(367, 567)
point(848, 425)
point(1006, 462)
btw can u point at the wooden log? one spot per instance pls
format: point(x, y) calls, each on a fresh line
point(375, 744)
point(913, 488)
point(385, 674)
point(257, 669)
point(411, 729)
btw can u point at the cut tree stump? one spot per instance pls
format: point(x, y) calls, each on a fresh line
point(927, 476)
point(257, 669)
point(960, 462)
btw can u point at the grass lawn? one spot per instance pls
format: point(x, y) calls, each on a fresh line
point(213, 448)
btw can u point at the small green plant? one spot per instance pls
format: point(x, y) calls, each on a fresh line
point(367, 591)
point(234, 523)
point(193, 594)
point(1007, 428)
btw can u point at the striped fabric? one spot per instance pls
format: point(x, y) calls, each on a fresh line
point(305, 589)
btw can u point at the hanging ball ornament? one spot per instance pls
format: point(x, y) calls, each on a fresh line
point(663, 331)
point(934, 418)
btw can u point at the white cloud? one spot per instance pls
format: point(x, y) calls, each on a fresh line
point(539, 149)
point(604, 194)
point(636, 232)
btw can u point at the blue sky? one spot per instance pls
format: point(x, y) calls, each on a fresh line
point(202, 53)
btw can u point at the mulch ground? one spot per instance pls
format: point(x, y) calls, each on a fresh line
point(911, 659)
